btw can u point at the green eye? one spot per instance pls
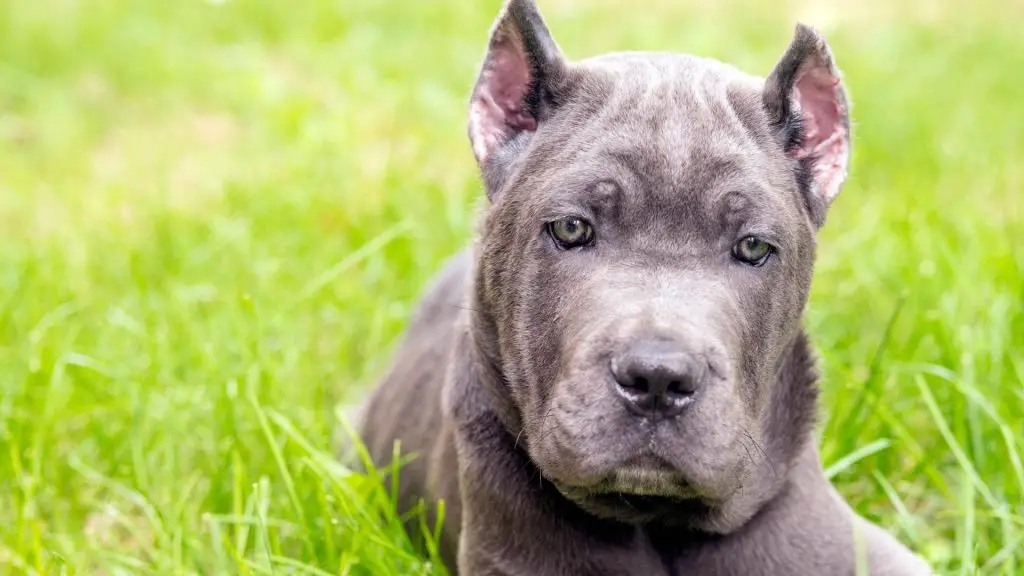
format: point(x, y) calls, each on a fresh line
point(571, 232)
point(752, 250)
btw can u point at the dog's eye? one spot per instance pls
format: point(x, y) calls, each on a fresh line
point(571, 232)
point(752, 250)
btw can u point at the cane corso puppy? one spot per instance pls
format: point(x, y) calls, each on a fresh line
point(615, 378)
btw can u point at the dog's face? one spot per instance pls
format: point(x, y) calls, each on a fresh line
point(645, 260)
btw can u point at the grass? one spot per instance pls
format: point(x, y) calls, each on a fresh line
point(215, 218)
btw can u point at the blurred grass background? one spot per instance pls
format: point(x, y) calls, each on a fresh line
point(216, 216)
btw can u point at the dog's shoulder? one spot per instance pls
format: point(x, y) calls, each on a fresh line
point(406, 404)
point(885, 555)
point(444, 298)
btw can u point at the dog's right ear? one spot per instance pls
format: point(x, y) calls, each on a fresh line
point(515, 88)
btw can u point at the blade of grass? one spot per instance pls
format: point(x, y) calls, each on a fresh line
point(868, 390)
point(301, 567)
point(968, 529)
point(353, 259)
point(857, 455)
point(252, 383)
point(906, 519)
point(261, 493)
point(954, 445)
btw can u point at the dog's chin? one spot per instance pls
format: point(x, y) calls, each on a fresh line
point(641, 492)
point(644, 509)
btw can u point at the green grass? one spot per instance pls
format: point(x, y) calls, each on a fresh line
point(216, 217)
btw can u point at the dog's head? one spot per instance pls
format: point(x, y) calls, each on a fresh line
point(644, 261)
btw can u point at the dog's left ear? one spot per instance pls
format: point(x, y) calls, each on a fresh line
point(514, 91)
point(808, 105)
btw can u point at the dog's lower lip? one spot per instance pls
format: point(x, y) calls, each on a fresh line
point(647, 482)
point(645, 475)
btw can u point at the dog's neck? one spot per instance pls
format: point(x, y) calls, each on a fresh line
point(789, 415)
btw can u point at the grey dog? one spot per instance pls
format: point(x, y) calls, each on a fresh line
point(615, 379)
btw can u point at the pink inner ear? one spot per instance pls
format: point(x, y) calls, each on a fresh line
point(498, 109)
point(825, 137)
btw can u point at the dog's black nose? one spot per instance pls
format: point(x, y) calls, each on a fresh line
point(657, 377)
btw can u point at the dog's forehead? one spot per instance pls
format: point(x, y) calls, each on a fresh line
point(639, 72)
point(679, 122)
point(669, 110)
point(671, 93)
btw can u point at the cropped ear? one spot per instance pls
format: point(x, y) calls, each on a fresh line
point(808, 105)
point(514, 88)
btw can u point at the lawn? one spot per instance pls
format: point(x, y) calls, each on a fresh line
point(216, 217)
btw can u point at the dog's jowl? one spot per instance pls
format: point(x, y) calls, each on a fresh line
point(615, 378)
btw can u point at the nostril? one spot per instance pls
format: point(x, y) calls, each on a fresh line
point(641, 385)
point(680, 387)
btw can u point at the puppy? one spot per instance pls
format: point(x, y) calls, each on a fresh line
point(615, 379)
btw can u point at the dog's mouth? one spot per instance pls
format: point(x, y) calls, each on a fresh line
point(646, 481)
point(641, 490)
point(633, 508)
